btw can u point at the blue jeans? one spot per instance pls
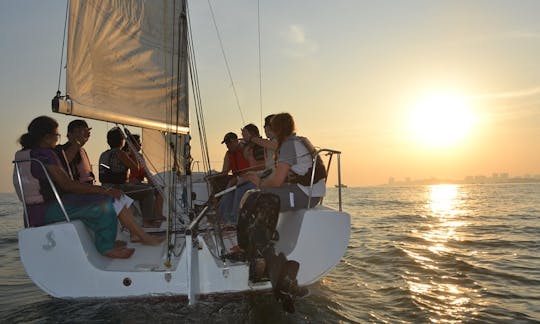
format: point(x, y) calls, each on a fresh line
point(229, 206)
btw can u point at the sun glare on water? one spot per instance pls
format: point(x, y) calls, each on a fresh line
point(441, 120)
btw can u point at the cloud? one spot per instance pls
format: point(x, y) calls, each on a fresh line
point(528, 92)
point(296, 34)
point(518, 35)
point(300, 46)
point(521, 104)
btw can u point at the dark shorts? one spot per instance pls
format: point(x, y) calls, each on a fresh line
point(292, 197)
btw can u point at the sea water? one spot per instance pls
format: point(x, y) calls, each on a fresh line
point(417, 254)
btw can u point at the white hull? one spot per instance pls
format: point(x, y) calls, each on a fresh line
point(61, 259)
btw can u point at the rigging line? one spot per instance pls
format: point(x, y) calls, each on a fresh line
point(63, 45)
point(198, 100)
point(200, 117)
point(196, 93)
point(226, 63)
point(169, 106)
point(260, 60)
point(179, 67)
point(174, 110)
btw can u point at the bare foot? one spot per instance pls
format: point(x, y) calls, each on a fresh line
point(227, 227)
point(153, 240)
point(147, 239)
point(236, 249)
point(119, 243)
point(260, 267)
point(119, 253)
point(152, 223)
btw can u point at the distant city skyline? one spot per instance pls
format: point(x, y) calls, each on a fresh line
point(495, 177)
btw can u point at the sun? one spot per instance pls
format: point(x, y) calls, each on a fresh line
point(441, 119)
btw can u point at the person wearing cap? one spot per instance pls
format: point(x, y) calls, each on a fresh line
point(73, 155)
point(254, 154)
point(234, 160)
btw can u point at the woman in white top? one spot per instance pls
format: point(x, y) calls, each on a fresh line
point(294, 160)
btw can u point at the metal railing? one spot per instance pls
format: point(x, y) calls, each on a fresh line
point(330, 153)
point(21, 187)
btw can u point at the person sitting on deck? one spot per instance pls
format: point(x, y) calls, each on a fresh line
point(113, 173)
point(288, 188)
point(96, 206)
point(254, 154)
point(270, 144)
point(138, 175)
point(78, 164)
point(234, 160)
point(292, 177)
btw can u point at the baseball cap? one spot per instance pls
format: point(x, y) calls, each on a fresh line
point(228, 137)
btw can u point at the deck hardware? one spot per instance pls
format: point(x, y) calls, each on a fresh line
point(127, 282)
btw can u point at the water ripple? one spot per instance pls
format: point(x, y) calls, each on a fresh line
point(418, 254)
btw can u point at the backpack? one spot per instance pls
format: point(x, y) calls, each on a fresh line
point(320, 169)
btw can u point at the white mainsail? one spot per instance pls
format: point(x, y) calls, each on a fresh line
point(125, 64)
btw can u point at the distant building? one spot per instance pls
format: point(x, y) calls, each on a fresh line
point(480, 179)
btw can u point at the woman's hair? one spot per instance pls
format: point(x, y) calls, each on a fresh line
point(282, 126)
point(115, 137)
point(252, 130)
point(268, 120)
point(37, 129)
point(135, 140)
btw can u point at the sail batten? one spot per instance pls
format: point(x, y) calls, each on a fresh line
point(123, 63)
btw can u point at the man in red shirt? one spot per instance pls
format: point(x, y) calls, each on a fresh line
point(234, 160)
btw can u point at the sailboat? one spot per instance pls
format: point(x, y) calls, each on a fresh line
point(129, 63)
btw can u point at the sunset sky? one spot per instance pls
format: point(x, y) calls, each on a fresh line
point(414, 89)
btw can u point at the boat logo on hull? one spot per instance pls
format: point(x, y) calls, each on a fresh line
point(51, 243)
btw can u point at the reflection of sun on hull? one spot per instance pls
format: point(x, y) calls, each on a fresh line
point(61, 259)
